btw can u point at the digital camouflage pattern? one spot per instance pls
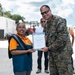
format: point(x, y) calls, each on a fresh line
point(60, 47)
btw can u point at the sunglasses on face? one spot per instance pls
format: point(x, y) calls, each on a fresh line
point(45, 12)
point(42, 21)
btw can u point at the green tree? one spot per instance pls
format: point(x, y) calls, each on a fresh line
point(17, 17)
point(1, 10)
point(8, 14)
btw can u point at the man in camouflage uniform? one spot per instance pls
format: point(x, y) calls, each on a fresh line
point(59, 45)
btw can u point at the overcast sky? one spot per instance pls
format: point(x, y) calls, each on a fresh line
point(30, 8)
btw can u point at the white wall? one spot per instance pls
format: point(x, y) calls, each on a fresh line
point(8, 25)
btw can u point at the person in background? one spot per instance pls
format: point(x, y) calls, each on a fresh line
point(58, 43)
point(22, 59)
point(34, 28)
point(72, 35)
point(39, 60)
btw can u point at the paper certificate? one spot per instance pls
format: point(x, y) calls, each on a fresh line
point(38, 40)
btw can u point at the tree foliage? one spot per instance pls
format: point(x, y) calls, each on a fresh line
point(1, 10)
point(17, 17)
point(8, 14)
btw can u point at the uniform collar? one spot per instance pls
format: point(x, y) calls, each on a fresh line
point(22, 37)
point(51, 18)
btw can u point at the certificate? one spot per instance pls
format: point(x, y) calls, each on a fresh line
point(38, 40)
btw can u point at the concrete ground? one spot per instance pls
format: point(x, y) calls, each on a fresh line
point(6, 63)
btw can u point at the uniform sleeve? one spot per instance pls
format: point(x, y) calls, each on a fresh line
point(62, 35)
point(13, 44)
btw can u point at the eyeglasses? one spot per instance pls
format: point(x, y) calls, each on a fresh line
point(45, 12)
point(43, 21)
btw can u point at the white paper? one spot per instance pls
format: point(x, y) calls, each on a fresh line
point(38, 40)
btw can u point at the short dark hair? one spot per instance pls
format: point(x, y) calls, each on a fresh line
point(41, 19)
point(45, 6)
point(19, 24)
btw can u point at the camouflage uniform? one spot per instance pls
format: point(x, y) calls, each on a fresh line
point(59, 45)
